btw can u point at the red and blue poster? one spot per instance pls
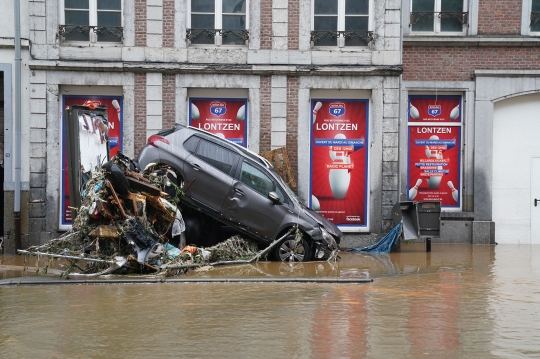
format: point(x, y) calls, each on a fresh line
point(225, 118)
point(434, 156)
point(445, 108)
point(339, 160)
point(114, 106)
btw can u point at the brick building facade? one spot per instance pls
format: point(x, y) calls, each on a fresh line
point(280, 56)
point(276, 57)
point(488, 55)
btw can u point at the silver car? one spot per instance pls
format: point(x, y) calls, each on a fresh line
point(241, 190)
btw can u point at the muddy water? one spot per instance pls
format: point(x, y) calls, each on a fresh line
point(458, 301)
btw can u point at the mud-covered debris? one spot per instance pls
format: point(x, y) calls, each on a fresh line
point(130, 222)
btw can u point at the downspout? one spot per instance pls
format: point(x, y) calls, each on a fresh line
point(400, 104)
point(17, 148)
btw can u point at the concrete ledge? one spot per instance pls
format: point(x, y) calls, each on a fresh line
point(33, 281)
point(483, 232)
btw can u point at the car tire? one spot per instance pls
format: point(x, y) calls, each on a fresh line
point(288, 250)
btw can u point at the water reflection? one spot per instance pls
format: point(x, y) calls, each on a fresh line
point(459, 301)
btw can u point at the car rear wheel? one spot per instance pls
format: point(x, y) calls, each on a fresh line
point(291, 250)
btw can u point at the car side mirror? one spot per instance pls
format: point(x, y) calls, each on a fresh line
point(274, 197)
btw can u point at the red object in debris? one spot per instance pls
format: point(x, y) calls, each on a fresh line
point(155, 138)
point(92, 104)
point(95, 212)
point(190, 249)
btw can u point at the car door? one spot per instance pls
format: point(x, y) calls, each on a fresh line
point(211, 168)
point(248, 204)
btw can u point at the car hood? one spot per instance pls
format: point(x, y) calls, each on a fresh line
point(329, 226)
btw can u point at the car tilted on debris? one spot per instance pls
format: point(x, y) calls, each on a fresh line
point(241, 190)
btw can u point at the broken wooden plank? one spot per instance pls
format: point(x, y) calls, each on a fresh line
point(138, 202)
point(145, 187)
point(115, 196)
point(280, 160)
point(104, 231)
point(105, 210)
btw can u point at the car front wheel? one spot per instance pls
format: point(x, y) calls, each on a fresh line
point(292, 250)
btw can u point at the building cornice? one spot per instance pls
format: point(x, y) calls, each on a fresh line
point(216, 68)
point(506, 73)
point(471, 41)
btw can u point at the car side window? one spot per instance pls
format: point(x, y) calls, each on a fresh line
point(256, 179)
point(191, 143)
point(217, 156)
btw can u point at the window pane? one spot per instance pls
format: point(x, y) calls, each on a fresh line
point(326, 7)
point(423, 5)
point(76, 4)
point(451, 25)
point(452, 6)
point(535, 7)
point(356, 7)
point(217, 156)
point(425, 23)
point(109, 18)
point(77, 18)
point(256, 179)
point(191, 143)
point(234, 6)
point(109, 5)
point(325, 23)
point(74, 17)
point(202, 6)
point(202, 21)
point(356, 23)
point(235, 22)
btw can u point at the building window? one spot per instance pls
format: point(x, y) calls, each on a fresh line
point(535, 16)
point(218, 22)
point(439, 16)
point(91, 20)
point(341, 23)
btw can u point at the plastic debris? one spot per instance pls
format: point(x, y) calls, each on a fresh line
point(383, 245)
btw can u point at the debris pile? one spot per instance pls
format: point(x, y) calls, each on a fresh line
point(130, 222)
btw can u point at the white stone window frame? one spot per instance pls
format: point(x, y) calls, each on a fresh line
point(218, 21)
point(526, 19)
point(92, 19)
point(341, 23)
point(437, 22)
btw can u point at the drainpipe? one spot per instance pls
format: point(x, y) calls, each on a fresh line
point(17, 148)
point(400, 104)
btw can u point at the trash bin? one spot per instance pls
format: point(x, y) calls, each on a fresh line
point(420, 220)
point(406, 212)
point(429, 218)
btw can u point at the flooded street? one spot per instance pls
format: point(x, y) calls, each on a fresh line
point(459, 301)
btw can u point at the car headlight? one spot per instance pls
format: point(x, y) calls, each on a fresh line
point(325, 234)
point(328, 239)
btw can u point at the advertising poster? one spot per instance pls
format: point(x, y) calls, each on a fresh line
point(434, 157)
point(434, 164)
point(226, 118)
point(91, 136)
point(339, 160)
point(446, 108)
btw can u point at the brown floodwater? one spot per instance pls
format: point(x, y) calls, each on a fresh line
point(459, 301)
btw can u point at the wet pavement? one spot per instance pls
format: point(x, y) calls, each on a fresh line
point(458, 301)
